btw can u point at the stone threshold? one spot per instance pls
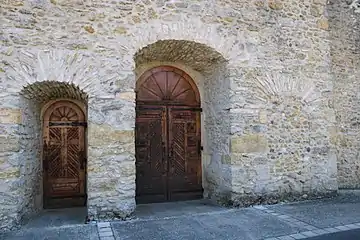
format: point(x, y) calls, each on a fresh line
point(105, 231)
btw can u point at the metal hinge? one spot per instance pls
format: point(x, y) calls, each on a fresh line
point(195, 109)
point(71, 124)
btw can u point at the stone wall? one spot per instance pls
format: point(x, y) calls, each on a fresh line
point(111, 158)
point(345, 68)
point(265, 81)
point(9, 166)
point(216, 133)
point(280, 109)
point(29, 159)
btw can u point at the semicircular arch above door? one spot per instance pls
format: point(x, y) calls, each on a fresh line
point(167, 85)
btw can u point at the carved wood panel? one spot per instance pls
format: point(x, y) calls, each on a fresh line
point(64, 157)
point(167, 86)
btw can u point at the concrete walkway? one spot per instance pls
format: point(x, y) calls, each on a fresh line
point(200, 220)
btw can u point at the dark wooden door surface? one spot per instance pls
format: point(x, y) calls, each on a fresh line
point(168, 156)
point(150, 154)
point(184, 178)
point(64, 156)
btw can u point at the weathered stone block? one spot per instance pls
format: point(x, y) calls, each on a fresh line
point(10, 173)
point(263, 116)
point(226, 159)
point(9, 144)
point(105, 135)
point(89, 29)
point(275, 4)
point(126, 96)
point(249, 144)
point(323, 23)
point(120, 30)
point(14, 2)
point(10, 116)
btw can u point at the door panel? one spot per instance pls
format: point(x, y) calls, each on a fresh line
point(64, 156)
point(185, 181)
point(150, 146)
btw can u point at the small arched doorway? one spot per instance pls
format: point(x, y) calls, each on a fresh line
point(64, 155)
point(168, 137)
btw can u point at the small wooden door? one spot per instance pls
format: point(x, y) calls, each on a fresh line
point(168, 146)
point(64, 158)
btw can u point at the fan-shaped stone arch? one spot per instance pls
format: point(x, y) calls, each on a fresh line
point(228, 46)
point(199, 56)
point(35, 73)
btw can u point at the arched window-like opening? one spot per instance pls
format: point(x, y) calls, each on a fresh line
point(168, 137)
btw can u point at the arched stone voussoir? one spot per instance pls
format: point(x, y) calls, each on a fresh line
point(199, 56)
point(193, 30)
point(49, 66)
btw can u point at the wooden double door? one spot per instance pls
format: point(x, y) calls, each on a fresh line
point(168, 137)
point(64, 157)
point(168, 154)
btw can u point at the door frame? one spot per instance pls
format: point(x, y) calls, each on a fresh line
point(83, 107)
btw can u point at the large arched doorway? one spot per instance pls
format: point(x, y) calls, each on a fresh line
point(168, 137)
point(64, 155)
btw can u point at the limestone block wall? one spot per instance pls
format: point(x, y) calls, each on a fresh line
point(216, 131)
point(265, 67)
point(10, 166)
point(345, 65)
point(30, 132)
point(280, 108)
point(111, 158)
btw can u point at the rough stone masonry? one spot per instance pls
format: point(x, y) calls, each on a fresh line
point(278, 82)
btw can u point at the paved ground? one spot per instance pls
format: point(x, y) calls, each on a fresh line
point(199, 220)
point(346, 235)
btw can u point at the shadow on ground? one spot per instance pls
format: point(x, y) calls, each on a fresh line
point(58, 224)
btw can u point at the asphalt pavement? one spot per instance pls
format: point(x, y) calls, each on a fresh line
point(346, 235)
